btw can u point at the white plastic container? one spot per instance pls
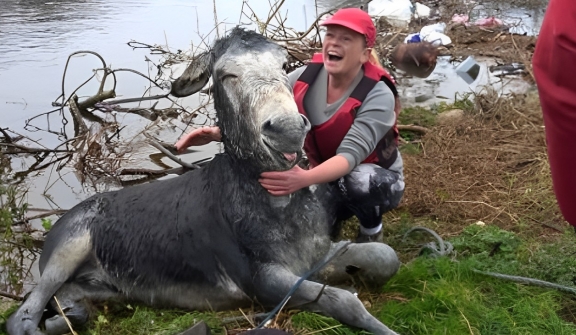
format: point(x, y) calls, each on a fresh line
point(468, 70)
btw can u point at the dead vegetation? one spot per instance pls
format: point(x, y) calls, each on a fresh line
point(490, 166)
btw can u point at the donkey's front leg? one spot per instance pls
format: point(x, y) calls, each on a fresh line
point(274, 282)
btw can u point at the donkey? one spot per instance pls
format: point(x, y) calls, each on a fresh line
point(212, 238)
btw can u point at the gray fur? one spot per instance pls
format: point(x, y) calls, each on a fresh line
point(212, 238)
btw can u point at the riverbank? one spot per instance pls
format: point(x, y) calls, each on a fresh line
point(477, 174)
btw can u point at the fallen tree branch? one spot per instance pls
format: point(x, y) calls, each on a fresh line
point(7, 137)
point(79, 125)
point(150, 172)
point(11, 296)
point(25, 149)
point(171, 156)
point(417, 129)
point(41, 216)
point(90, 102)
point(123, 101)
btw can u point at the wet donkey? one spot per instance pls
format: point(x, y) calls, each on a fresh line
point(212, 238)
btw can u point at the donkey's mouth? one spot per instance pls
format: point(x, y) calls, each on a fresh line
point(291, 157)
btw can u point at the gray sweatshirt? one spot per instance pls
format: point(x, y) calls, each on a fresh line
point(373, 119)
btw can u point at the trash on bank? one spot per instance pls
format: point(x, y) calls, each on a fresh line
point(460, 18)
point(421, 11)
point(508, 69)
point(433, 33)
point(468, 70)
point(489, 22)
point(397, 12)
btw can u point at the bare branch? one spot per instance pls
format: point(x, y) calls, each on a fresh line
point(11, 296)
point(24, 149)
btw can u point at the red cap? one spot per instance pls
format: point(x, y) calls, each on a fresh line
point(355, 19)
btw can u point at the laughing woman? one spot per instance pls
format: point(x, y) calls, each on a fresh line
point(352, 104)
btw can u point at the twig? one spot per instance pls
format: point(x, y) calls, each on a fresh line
point(312, 27)
point(30, 150)
point(149, 172)
point(418, 129)
point(7, 137)
point(101, 96)
point(79, 125)
point(250, 321)
point(522, 55)
point(64, 316)
point(170, 155)
point(123, 101)
point(11, 296)
point(274, 13)
point(43, 215)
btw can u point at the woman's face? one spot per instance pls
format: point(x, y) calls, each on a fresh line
point(344, 51)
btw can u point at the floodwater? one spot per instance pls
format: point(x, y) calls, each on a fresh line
point(37, 36)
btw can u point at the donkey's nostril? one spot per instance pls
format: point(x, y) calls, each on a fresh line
point(267, 125)
point(306, 122)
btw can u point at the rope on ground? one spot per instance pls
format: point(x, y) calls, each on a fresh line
point(445, 248)
point(528, 281)
point(437, 249)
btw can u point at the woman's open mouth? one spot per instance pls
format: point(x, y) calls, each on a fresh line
point(334, 57)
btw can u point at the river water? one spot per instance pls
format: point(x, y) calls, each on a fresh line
point(36, 37)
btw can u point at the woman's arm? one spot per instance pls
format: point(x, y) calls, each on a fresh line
point(287, 182)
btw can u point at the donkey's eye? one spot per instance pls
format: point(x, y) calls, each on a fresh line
point(228, 76)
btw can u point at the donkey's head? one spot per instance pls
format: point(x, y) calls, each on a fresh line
point(256, 112)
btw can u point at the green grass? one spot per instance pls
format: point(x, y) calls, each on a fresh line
point(445, 296)
point(142, 320)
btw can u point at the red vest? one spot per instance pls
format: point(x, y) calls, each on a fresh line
point(324, 139)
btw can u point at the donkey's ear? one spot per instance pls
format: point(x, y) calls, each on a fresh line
point(194, 77)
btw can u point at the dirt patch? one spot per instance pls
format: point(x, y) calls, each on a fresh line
point(498, 43)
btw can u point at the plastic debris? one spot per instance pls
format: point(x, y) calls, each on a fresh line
point(421, 11)
point(397, 12)
point(437, 27)
point(468, 70)
point(413, 38)
point(489, 22)
point(434, 34)
point(437, 39)
point(460, 18)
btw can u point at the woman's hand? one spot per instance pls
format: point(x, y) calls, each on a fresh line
point(199, 136)
point(284, 182)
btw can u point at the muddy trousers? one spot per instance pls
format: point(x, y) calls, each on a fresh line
point(367, 192)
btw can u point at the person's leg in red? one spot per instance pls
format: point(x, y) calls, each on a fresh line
point(554, 64)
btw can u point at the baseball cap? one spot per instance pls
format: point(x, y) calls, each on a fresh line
point(355, 19)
